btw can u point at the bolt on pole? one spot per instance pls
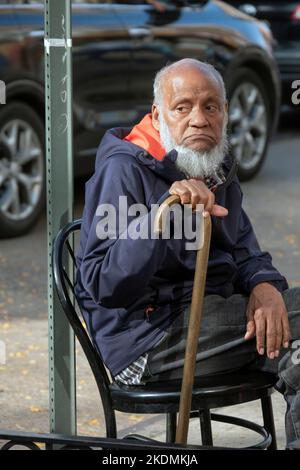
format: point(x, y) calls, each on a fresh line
point(59, 168)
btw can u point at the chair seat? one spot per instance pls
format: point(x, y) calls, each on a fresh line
point(209, 392)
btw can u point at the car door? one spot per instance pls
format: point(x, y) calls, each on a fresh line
point(9, 38)
point(160, 36)
point(101, 57)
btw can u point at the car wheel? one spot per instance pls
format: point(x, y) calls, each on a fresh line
point(22, 168)
point(249, 122)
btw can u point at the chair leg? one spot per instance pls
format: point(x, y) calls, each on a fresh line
point(205, 425)
point(267, 411)
point(171, 427)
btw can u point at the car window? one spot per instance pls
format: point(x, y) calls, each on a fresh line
point(31, 2)
point(137, 2)
point(24, 2)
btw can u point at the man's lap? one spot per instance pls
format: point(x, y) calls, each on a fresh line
point(221, 346)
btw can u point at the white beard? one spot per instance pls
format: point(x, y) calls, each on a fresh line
point(193, 163)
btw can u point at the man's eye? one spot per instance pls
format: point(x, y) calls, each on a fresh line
point(181, 109)
point(211, 107)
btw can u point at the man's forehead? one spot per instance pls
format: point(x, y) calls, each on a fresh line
point(191, 81)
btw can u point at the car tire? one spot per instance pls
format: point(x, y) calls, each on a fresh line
point(22, 168)
point(249, 125)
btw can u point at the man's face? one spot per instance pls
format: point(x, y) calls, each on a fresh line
point(193, 109)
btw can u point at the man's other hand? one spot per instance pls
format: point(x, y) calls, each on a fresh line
point(267, 318)
point(193, 191)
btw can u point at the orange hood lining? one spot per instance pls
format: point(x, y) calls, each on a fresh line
point(145, 136)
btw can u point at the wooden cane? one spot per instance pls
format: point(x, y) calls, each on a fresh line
point(194, 320)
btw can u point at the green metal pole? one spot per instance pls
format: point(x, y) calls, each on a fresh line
point(59, 152)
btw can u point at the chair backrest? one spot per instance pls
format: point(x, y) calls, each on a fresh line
point(64, 263)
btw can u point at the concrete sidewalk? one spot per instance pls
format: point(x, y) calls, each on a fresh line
point(24, 395)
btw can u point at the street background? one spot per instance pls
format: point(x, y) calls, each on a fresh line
point(271, 200)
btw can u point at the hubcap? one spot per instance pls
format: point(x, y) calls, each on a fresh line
point(248, 125)
point(21, 170)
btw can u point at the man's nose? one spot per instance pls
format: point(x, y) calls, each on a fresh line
point(198, 118)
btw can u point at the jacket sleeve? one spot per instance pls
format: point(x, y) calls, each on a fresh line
point(116, 269)
point(254, 266)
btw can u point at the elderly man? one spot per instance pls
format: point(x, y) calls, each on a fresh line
point(135, 292)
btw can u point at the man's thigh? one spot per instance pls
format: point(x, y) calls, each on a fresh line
point(221, 345)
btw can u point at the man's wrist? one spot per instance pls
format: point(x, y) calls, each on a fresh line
point(276, 284)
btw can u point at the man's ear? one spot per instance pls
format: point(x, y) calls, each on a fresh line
point(226, 106)
point(155, 117)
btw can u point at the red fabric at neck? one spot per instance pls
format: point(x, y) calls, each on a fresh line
point(144, 135)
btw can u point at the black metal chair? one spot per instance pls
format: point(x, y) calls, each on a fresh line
point(208, 393)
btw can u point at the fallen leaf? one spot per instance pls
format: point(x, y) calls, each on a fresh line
point(136, 418)
point(40, 445)
point(33, 347)
point(93, 422)
point(291, 239)
point(21, 354)
point(35, 409)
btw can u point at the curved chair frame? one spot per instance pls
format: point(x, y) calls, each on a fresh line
point(208, 392)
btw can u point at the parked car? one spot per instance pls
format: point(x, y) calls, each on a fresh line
point(117, 49)
point(284, 20)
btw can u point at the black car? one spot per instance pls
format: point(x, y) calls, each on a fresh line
point(284, 20)
point(117, 49)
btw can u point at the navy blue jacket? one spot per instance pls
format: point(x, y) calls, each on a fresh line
point(118, 278)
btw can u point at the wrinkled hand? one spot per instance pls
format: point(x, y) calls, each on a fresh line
point(194, 192)
point(267, 318)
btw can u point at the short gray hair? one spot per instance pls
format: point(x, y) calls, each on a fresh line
point(203, 66)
